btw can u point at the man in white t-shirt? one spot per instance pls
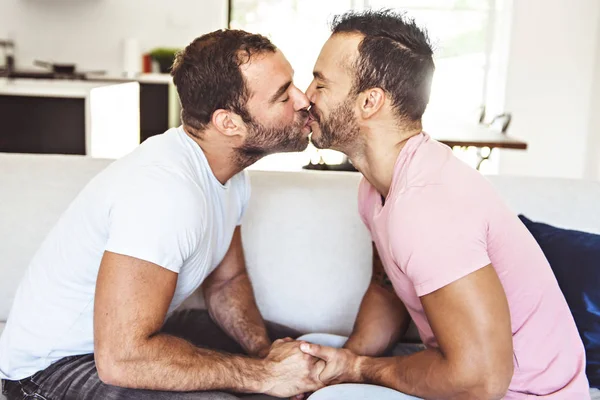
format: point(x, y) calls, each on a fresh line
point(92, 318)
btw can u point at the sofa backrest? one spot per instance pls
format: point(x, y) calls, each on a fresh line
point(308, 253)
point(34, 191)
point(566, 203)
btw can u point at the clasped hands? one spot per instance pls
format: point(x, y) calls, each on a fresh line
point(297, 367)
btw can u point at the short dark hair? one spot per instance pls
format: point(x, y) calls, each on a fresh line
point(208, 76)
point(394, 55)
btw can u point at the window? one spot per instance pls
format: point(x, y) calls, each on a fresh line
point(298, 27)
point(462, 35)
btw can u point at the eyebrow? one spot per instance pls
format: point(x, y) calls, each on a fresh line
point(319, 75)
point(282, 89)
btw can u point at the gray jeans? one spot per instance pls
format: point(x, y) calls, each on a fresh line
point(76, 377)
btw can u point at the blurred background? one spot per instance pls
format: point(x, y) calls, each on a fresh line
point(516, 88)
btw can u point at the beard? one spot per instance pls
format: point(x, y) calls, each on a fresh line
point(262, 140)
point(339, 130)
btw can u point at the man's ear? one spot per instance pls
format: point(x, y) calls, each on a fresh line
point(227, 122)
point(370, 102)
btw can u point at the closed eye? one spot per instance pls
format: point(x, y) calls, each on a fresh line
point(320, 87)
point(285, 100)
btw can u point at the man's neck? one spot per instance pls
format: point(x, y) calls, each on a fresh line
point(376, 158)
point(222, 158)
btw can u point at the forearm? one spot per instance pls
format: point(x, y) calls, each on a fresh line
point(164, 362)
point(233, 307)
point(381, 321)
point(426, 374)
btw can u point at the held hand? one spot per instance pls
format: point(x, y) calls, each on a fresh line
point(290, 371)
point(343, 366)
point(264, 352)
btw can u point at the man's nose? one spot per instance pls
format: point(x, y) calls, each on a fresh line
point(302, 101)
point(311, 91)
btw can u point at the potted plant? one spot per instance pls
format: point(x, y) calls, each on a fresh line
point(164, 57)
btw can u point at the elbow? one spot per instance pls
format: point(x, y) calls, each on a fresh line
point(493, 389)
point(498, 379)
point(487, 383)
point(110, 370)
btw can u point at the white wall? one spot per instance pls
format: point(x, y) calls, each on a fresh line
point(592, 168)
point(90, 33)
point(550, 75)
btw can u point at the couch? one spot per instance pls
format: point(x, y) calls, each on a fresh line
point(307, 251)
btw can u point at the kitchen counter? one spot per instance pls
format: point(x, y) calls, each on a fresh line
point(141, 78)
point(98, 119)
point(159, 106)
point(49, 87)
point(159, 102)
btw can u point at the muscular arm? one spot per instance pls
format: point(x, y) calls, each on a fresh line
point(230, 301)
point(382, 317)
point(131, 302)
point(471, 322)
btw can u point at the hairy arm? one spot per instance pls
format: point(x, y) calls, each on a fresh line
point(471, 321)
point(231, 303)
point(131, 302)
point(382, 317)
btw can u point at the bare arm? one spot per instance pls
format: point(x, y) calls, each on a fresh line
point(131, 302)
point(132, 299)
point(231, 303)
point(382, 317)
point(471, 322)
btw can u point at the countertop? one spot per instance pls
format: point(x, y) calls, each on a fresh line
point(49, 87)
point(141, 78)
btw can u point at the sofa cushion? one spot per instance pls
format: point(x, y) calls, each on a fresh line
point(34, 192)
point(575, 259)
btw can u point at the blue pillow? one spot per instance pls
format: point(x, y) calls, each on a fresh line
point(575, 259)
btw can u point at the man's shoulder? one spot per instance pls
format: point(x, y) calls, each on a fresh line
point(445, 196)
point(166, 151)
point(436, 171)
point(159, 190)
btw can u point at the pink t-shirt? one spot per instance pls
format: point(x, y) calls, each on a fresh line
point(442, 221)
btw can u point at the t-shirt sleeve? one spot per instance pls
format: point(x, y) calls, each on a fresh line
point(157, 218)
point(245, 192)
point(437, 237)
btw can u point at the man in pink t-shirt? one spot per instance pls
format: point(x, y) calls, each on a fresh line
point(463, 267)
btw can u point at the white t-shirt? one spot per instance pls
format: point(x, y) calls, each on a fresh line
point(162, 204)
